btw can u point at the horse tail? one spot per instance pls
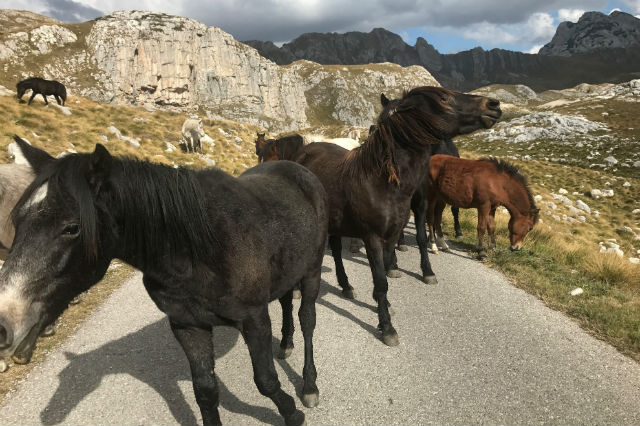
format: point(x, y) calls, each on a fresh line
point(63, 93)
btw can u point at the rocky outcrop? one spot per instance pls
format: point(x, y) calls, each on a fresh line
point(594, 30)
point(162, 61)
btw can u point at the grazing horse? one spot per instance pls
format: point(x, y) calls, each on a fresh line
point(43, 87)
point(419, 199)
point(192, 133)
point(484, 185)
point(187, 232)
point(370, 187)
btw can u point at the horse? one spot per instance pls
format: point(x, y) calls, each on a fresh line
point(186, 230)
point(14, 179)
point(370, 187)
point(192, 133)
point(419, 199)
point(43, 87)
point(260, 144)
point(282, 148)
point(484, 185)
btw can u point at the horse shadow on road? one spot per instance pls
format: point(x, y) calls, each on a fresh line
point(152, 356)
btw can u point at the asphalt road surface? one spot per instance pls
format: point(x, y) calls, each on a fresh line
point(473, 350)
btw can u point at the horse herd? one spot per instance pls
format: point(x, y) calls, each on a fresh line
point(215, 249)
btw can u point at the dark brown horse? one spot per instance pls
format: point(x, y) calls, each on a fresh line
point(260, 144)
point(284, 148)
point(483, 185)
point(43, 87)
point(370, 187)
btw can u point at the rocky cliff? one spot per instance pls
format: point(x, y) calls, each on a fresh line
point(594, 30)
point(162, 61)
point(469, 69)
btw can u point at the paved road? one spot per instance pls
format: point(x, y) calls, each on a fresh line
point(473, 350)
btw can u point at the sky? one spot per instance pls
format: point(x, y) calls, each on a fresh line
point(450, 25)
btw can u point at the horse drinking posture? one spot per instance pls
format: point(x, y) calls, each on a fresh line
point(43, 87)
point(187, 232)
point(370, 187)
point(484, 185)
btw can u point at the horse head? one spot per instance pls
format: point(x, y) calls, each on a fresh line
point(520, 226)
point(54, 256)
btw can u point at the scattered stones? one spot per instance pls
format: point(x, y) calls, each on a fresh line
point(134, 142)
point(574, 212)
point(634, 260)
point(626, 184)
point(63, 109)
point(6, 92)
point(562, 191)
point(636, 164)
point(170, 147)
point(576, 291)
point(636, 211)
point(583, 206)
point(552, 205)
point(563, 199)
point(607, 193)
point(596, 213)
point(625, 230)
point(538, 198)
point(582, 219)
point(611, 160)
point(596, 193)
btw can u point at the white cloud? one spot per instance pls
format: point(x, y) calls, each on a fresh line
point(615, 9)
point(487, 32)
point(634, 5)
point(535, 49)
point(539, 27)
point(571, 15)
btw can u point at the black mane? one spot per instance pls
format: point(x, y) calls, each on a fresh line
point(513, 171)
point(403, 124)
point(163, 208)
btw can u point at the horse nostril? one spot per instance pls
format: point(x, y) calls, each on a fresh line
point(493, 103)
point(5, 336)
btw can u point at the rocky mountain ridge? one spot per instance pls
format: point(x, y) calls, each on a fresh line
point(603, 47)
point(162, 61)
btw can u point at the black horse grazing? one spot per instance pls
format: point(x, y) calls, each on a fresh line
point(43, 87)
point(419, 199)
point(370, 187)
point(284, 148)
point(211, 248)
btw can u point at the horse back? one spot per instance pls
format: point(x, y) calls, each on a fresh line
point(459, 182)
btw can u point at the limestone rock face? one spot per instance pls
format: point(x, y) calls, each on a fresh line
point(174, 61)
point(38, 41)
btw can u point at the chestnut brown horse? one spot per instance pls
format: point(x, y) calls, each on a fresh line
point(483, 185)
point(260, 142)
point(370, 187)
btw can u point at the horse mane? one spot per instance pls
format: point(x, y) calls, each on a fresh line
point(513, 171)
point(162, 207)
point(406, 126)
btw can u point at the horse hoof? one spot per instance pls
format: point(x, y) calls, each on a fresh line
point(297, 294)
point(348, 294)
point(391, 339)
point(391, 311)
point(459, 237)
point(20, 359)
point(296, 419)
point(403, 247)
point(430, 279)
point(79, 298)
point(394, 273)
point(284, 353)
point(48, 331)
point(310, 400)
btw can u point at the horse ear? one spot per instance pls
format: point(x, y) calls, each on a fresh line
point(100, 164)
point(36, 157)
point(383, 100)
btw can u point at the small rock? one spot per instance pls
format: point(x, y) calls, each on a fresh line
point(63, 109)
point(562, 191)
point(636, 211)
point(538, 198)
point(611, 160)
point(626, 184)
point(607, 193)
point(583, 206)
point(104, 138)
point(170, 147)
point(238, 139)
point(552, 205)
point(625, 230)
point(596, 213)
point(582, 219)
point(574, 212)
point(611, 244)
point(636, 164)
point(616, 251)
point(576, 291)
point(634, 260)
point(596, 193)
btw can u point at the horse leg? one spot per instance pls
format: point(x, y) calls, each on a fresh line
point(198, 346)
point(46, 102)
point(401, 243)
point(33, 95)
point(256, 330)
point(335, 242)
point(455, 212)
point(431, 209)
point(390, 260)
point(440, 241)
point(286, 344)
point(420, 218)
point(375, 250)
point(307, 316)
point(491, 227)
point(483, 212)
point(354, 245)
point(57, 99)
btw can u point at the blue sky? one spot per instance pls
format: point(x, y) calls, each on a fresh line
point(449, 25)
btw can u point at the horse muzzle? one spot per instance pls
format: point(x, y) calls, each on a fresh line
point(516, 247)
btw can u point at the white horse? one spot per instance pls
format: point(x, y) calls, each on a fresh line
point(192, 134)
point(346, 143)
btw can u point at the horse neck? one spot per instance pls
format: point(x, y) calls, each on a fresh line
point(517, 200)
point(411, 167)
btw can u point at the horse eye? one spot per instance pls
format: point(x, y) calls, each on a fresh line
point(72, 229)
